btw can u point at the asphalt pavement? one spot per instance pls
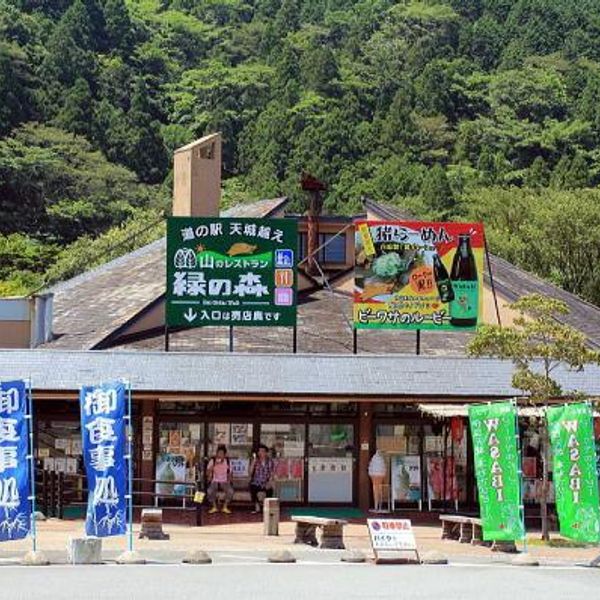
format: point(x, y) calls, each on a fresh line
point(241, 576)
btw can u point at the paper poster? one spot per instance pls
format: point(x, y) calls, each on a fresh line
point(61, 443)
point(405, 478)
point(71, 466)
point(170, 470)
point(76, 447)
point(49, 464)
point(221, 433)
point(195, 431)
point(239, 467)
point(175, 438)
point(43, 452)
point(437, 489)
point(60, 464)
point(240, 434)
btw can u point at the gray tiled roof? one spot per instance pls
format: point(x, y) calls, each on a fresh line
point(322, 328)
point(279, 374)
point(512, 282)
point(90, 306)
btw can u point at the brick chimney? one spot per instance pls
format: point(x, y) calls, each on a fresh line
point(197, 178)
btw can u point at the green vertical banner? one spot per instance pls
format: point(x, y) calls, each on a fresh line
point(571, 432)
point(497, 467)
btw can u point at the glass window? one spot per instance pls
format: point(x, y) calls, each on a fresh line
point(330, 463)
point(335, 249)
point(302, 245)
point(237, 438)
point(286, 443)
point(59, 446)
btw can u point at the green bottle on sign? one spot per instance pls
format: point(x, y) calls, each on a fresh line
point(442, 280)
point(464, 307)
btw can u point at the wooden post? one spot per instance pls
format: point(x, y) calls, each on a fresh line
point(492, 286)
point(365, 433)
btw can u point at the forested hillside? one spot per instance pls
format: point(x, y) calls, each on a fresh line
point(483, 109)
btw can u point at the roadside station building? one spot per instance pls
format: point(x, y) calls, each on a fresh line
point(323, 409)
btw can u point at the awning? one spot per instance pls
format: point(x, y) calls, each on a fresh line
point(444, 411)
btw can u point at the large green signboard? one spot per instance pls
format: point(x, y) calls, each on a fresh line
point(575, 479)
point(497, 464)
point(238, 272)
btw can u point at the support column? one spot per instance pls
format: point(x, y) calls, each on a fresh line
point(149, 437)
point(365, 435)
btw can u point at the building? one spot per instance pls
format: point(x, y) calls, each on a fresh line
point(323, 409)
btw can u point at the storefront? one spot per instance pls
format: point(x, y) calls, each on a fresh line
point(321, 418)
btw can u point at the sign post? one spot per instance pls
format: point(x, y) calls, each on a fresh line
point(392, 536)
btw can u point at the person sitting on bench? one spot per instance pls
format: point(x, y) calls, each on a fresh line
point(218, 472)
point(261, 477)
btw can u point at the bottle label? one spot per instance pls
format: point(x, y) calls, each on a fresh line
point(466, 300)
point(445, 290)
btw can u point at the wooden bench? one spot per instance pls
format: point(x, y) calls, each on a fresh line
point(469, 530)
point(332, 532)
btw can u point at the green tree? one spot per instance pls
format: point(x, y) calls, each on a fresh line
point(537, 343)
point(76, 112)
point(435, 190)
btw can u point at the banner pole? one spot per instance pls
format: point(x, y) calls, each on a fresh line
point(521, 486)
point(129, 467)
point(31, 466)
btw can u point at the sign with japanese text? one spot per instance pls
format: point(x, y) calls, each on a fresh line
point(497, 466)
point(575, 479)
point(103, 435)
point(15, 506)
point(391, 534)
point(238, 272)
point(418, 275)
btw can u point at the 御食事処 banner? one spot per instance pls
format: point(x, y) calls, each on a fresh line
point(496, 455)
point(237, 272)
point(103, 431)
point(15, 506)
point(575, 478)
point(418, 275)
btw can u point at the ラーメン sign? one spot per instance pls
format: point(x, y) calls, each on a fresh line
point(418, 275)
point(239, 272)
point(497, 466)
point(575, 478)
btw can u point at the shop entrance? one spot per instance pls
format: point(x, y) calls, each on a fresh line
point(331, 462)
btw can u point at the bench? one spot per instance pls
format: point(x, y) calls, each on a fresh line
point(332, 532)
point(469, 530)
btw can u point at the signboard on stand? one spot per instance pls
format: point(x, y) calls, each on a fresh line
point(391, 536)
point(234, 272)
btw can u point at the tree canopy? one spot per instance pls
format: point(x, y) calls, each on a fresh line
point(449, 108)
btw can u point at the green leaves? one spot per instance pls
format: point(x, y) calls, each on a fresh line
point(536, 338)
